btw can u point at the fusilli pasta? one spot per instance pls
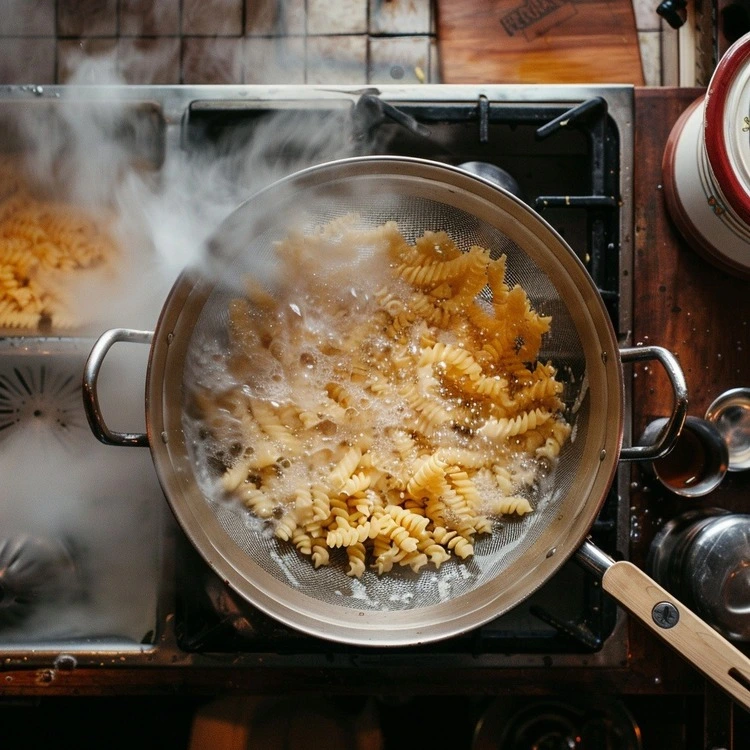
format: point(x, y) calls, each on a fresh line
point(414, 411)
point(42, 243)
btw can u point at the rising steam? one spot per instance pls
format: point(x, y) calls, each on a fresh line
point(103, 503)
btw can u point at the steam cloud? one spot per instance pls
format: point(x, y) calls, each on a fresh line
point(61, 483)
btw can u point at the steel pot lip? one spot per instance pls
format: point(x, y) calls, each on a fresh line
point(730, 412)
point(699, 557)
point(718, 557)
point(715, 450)
point(560, 537)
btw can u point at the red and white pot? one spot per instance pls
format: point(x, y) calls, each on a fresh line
point(706, 166)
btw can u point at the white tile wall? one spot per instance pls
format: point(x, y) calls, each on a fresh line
point(272, 41)
point(341, 17)
point(648, 24)
point(649, 42)
point(399, 59)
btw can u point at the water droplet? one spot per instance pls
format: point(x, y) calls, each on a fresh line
point(635, 530)
point(65, 662)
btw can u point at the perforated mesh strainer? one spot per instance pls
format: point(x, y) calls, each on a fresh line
point(400, 607)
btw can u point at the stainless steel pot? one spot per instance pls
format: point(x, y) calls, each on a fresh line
point(375, 611)
point(702, 557)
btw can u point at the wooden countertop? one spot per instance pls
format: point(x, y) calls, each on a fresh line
point(682, 302)
point(702, 315)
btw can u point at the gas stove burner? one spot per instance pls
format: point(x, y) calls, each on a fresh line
point(494, 174)
point(39, 395)
point(33, 571)
point(557, 725)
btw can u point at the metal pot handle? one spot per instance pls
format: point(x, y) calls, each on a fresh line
point(674, 424)
point(91, 395)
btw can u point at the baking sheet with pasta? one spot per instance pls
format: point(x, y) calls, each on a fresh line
point(48, 247)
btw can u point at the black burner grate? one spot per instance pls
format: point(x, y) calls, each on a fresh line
point(565, 160)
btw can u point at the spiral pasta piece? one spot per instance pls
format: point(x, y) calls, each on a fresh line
point(506, 427)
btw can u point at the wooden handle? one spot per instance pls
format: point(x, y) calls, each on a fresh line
point(697, 641)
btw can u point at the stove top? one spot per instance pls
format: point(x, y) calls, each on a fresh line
point(565, 150)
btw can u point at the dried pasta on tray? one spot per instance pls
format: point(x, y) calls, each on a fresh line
point(44, 245)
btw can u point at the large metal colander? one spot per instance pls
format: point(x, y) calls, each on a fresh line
point(401, 606)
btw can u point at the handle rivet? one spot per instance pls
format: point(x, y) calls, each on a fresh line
point(665, 615)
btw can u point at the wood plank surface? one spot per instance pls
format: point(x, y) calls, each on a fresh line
point(682, 301)
point(702, 315)
point(538, 41)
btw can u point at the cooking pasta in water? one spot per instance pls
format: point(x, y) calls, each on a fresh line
point(385, 404)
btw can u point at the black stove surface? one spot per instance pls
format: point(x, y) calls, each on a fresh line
point(563, 161)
